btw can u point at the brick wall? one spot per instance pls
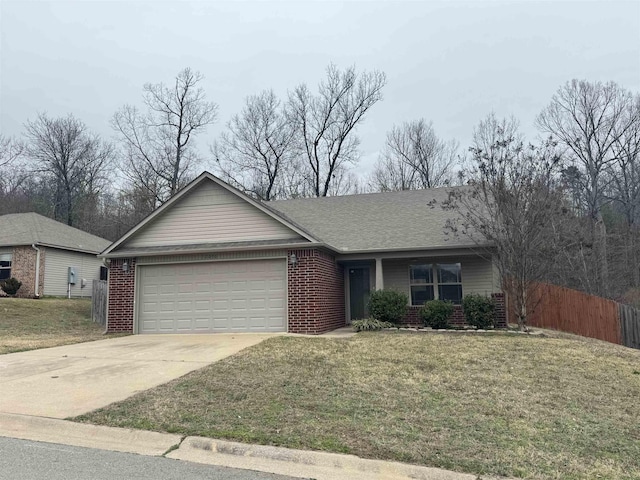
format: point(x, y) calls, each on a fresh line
point(316, 293)
point(23, 268)
point(121, 296)
point(501, 309)
point(413, 318)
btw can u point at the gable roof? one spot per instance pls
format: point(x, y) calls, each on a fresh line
point(204, 177)
point(32, 228)
point(404, 220)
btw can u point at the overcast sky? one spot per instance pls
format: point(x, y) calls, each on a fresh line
point(450, 62)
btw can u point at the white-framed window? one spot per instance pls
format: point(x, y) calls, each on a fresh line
point(5, 266)
point(429, 281)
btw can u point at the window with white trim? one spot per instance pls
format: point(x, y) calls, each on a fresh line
point(5, 266)
point(430, 281)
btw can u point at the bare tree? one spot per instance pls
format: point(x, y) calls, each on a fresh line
point(325, 123)
point(158, 144)
point(75, 159)
point(256, 152)
point(625, 186)
point(10, 150)
point(588, 120)
point(414, 157)
point(508, 208)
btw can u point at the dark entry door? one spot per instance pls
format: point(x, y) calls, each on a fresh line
point(359, 290)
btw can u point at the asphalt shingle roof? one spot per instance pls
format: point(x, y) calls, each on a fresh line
point(376, 221)
point(30, 228)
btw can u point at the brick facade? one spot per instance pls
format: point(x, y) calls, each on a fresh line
point(121, 296)
point(23, 268)
point(413, 318)
point(316, 293)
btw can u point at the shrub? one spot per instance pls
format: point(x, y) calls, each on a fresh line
point(369, 324)
point(436, 313)
point(479, 310)
point(388, 305)
point(11, 286)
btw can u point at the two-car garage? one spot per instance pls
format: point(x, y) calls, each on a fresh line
point(212, 297)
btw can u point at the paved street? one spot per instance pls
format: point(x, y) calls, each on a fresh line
point(27, 460)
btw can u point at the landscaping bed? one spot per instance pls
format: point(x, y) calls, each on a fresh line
point(27, 324)
point(510, 405)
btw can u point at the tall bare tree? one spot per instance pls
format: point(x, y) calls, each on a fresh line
point(75, 159)
point(158, 143)
point(256, 152)
point(624, 188)
point(414, 157)
point(588, 120)
point(509, 207)
point(325, 123)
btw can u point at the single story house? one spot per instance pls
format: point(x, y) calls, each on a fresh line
point(41, 253)
point(213, 259)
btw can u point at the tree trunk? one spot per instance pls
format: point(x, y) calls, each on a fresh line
point(600, 240)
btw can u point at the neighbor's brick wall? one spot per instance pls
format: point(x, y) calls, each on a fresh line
point(121, 296)
point(23, 268)
point(316, 293)
point(457, 319)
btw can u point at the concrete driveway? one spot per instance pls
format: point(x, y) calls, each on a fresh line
point(66, 381)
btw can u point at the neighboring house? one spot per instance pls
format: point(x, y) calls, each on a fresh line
point(215, 260)
point(39, 251)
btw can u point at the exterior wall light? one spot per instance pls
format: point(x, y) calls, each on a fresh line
point(293, 260)
point(125, 266)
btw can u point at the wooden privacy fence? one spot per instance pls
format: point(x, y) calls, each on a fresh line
point(629, 326)
point(576, 312)
point(99, 302)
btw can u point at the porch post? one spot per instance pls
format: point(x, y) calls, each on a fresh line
point(379, 277)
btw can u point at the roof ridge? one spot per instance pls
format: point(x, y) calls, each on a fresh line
point(369, 194)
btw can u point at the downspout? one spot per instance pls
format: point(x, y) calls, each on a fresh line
point(37, 283)
point(106, 262)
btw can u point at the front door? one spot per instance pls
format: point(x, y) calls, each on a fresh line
point(359, 290)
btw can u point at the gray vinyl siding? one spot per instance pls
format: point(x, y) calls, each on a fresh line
point(210, 214)
point(56, 264)
point(477, 273)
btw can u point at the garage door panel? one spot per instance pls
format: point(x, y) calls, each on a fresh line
point(233, 296)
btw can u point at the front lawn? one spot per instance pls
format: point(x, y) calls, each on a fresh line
point(504, 405)
point(27, 324)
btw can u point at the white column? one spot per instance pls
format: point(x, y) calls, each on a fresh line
point(379, 277)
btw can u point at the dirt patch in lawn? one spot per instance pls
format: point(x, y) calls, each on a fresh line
point(502, 405)
point(27, 324)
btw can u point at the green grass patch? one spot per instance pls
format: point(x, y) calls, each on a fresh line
point(531, 407)
point(27, 324)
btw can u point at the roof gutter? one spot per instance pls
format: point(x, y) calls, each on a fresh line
point(236, 248)
point(37, 282)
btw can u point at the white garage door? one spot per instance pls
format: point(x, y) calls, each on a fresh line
point(216, 297)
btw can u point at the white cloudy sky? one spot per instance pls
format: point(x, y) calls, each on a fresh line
point(451, 62)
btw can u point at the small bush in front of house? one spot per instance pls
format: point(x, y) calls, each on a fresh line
point(11, 286)
point(479, 310)
point(370, 324)
point(436, 313)
point(388, 305)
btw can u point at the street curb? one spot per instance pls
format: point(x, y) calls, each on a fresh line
point(52, 430)
point(304, 463)
point(263, 458)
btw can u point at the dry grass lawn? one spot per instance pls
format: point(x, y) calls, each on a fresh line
point(520, 406)
point(27, 324)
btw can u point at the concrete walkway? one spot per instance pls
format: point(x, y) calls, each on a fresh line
point(283, 461)
point(70, 380)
